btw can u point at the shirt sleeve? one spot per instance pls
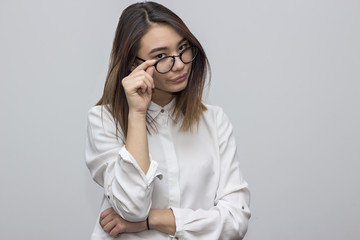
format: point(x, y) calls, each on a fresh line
point(229, 217)
point(127, 188)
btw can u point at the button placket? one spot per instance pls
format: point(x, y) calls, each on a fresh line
point(164, 117)
point(172, 164)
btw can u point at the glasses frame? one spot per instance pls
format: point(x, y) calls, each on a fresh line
point(195, 49)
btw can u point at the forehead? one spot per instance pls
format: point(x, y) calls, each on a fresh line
point(159, 36)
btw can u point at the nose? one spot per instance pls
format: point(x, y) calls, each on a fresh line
point(178, 64)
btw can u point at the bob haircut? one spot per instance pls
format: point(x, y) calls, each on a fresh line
point(134, 22)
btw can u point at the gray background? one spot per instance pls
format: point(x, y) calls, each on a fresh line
point(286, 72)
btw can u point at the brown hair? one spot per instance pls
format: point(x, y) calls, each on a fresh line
point(134, 22)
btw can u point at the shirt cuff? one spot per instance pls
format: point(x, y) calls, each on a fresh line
point(179, 221)
point(152, 172)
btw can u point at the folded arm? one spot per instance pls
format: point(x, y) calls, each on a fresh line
point(127, 187)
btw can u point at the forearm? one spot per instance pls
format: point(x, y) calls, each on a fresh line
point(162, 220)
point(137, 142)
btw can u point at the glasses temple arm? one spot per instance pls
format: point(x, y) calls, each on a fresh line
point(141, 59)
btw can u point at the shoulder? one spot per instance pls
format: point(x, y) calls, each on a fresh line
point(99, 111)
point(99, 115)
point(216, 117)
point(214, 112)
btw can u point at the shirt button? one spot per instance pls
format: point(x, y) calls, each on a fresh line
point(162, 110)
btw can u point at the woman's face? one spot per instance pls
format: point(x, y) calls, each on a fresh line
point(160, 41)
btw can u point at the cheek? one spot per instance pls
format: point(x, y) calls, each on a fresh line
point(188, 67)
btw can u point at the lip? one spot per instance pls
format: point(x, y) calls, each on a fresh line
point(180, 78)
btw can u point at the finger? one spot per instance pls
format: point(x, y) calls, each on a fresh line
point(143, 86)
point(116, 231)
point(148, 74)
point(146, 77)
point(106, 220)
point(149, 83)
point(105, 213)
point(140, 85)
point(109, 226)
point(140, 75)
point(150, 70)
point(145, 65)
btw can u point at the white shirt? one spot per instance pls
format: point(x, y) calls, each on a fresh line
point(196, 174)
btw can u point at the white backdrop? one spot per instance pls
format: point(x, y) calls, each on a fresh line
point(286, 72)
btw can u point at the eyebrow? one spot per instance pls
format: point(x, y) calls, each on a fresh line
point(165, 48)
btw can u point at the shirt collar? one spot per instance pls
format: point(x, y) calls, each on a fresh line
point(154, 109)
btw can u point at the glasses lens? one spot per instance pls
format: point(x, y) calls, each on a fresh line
point(165, 64)
point(188, 55)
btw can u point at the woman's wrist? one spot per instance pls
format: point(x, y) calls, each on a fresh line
point(137, 115)
point(133, 227)
point(162, 220)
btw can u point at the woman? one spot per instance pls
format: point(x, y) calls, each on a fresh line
point(166, 161)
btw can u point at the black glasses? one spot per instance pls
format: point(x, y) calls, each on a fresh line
point(165, 64)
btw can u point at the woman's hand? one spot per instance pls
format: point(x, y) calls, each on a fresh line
point(115, 225)
point(138, 87)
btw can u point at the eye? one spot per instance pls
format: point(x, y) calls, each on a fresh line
point(161, 55)
point(183, 47)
